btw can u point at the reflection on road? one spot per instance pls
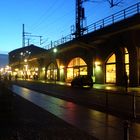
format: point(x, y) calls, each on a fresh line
point(96, 123)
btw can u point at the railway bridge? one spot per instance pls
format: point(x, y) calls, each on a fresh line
point(107, 49)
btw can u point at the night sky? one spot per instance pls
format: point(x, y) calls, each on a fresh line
point(50, 19)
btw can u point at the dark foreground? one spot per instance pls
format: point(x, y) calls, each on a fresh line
point(21, 120)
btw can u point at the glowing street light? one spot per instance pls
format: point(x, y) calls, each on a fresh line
point(25, 60)
point(55, 50)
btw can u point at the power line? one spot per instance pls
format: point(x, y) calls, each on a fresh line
point(29, 35)
point(48, 14)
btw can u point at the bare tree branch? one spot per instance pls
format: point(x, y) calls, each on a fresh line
point(97, 1)
point(114, 2)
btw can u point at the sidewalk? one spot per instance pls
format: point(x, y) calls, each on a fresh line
point(107, 87)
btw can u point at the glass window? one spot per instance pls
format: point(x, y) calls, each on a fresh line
point(52, 72)
point(76, 62)
point(77, 66)
point(111, 69)
point(112, 59)
point(111, 73)
point(127, 61)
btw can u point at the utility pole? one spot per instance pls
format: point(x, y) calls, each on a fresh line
point(80, 15)
point(23, 36)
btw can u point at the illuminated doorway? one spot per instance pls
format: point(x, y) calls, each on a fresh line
point(77, 66)
point(52, 72)
point(111, 69)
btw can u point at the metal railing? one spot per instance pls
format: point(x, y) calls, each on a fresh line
point(60, 41)
point(119, 16)
point(114, 18)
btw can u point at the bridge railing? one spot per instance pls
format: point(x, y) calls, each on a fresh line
point(119, 16)
point(60, 41)
point(114, 18)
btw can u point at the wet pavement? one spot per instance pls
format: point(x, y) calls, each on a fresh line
point(20, 119)
point(98, 124)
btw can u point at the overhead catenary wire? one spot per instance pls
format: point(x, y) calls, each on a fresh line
point(48, 14)
point(43, 27)
point(47, 19)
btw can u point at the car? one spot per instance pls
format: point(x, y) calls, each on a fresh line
point(82, 81)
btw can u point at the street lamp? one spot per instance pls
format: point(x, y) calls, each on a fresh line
point(54, 51)
point(25, 60)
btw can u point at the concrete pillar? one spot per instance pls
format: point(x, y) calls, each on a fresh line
point(119, 66)
point(133, 65)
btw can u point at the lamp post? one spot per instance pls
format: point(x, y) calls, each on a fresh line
point(54, 54)
point(26, 69)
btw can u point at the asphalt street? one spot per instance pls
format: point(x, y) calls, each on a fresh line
point(95, 123)
point(117, 103)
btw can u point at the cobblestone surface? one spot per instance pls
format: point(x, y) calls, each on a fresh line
point(21, 120)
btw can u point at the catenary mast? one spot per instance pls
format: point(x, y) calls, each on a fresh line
point(80, 15)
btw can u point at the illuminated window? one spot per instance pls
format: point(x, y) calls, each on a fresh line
point(111, 69)
point(126, 61)
point(52, 72)
point(77, 66)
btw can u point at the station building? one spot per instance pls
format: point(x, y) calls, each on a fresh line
point(23, 61)
point(105, 54)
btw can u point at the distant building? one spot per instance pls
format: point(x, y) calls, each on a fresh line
point(4, 68)
point(3, 60)
point(23, 61)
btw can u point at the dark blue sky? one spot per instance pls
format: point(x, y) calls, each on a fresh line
point(51, 19)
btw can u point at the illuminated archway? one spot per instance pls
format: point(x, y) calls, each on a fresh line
point(52, 72)
point(76, 66)
point(111, 69)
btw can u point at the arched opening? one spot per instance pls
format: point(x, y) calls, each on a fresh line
point(52, 72)
point(111, 69)
point(76, 66)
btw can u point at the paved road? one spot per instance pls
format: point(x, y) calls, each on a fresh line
point(22, 120)
point(101, 125)
point(115, 102)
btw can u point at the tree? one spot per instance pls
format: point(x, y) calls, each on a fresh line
point(114, 2)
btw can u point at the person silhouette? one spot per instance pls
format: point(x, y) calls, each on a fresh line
point(125, 78)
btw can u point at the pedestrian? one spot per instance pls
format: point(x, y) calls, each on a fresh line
point(125, 78)
point(16, 76)
point(10, 77)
